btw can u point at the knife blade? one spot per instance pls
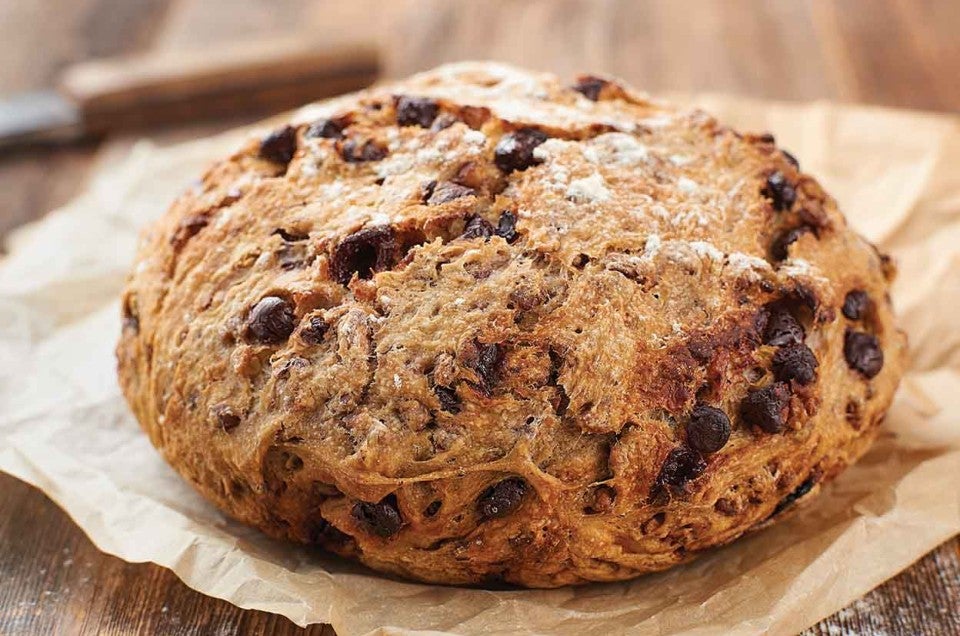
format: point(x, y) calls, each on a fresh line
point(104, 96)
point(39, 117)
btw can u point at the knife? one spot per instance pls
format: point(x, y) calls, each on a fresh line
point(103, 96)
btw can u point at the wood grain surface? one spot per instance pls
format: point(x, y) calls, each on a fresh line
point(902, 53)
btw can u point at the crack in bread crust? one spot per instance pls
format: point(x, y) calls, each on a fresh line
point(460, 327)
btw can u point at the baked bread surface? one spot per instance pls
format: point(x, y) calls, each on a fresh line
point(483, 325)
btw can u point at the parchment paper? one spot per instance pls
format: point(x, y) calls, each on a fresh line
point(65, 428)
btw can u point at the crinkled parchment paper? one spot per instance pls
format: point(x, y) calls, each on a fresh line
point(65, 428)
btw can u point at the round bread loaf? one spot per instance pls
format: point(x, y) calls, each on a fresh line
point(483, 325)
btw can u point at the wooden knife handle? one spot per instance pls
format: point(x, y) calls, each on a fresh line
point(191, 85)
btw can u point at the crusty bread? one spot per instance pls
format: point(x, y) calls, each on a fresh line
point(481, 325)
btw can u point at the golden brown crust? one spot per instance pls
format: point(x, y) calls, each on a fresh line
point(480, 325)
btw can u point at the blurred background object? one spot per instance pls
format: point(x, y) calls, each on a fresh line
point(898, 53)
point(901, 53)
point(129, 94)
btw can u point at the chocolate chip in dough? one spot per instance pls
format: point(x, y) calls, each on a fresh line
point(280, 145)
point(416, 111)
point(382, 518)
point(447, 191)
point(477, 227)
point(449, 401)
point(487, 363)
point(767, 407)
point(502, 498)
point(782, 328)
point(682, 465)
point(780, 191)
point(312, 333)
point(364, 253)
point(708, 429)
point(590, 87)
point(357, 151)
point(514, 151)
point(507, 227)
point(271, 321)
point(325, 129)
point(805, 487)
point(795, 362)
point(855, 304)
point(863, 353)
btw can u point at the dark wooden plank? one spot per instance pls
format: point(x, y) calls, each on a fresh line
point(53, 580)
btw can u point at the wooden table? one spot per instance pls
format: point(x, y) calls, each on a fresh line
point(903, 53)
